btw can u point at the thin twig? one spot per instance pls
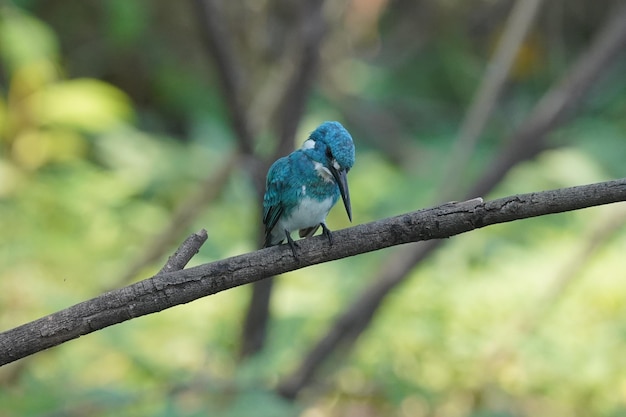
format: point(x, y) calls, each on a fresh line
point(187, 250)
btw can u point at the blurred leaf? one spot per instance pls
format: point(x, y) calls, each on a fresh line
point(33, 148)
point(85, 104)
point(24, 40)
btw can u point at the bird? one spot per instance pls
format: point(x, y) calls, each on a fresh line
point(302, 187)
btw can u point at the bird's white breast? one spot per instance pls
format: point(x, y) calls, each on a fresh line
point(308, 213)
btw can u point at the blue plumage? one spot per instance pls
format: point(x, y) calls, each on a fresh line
point(302, 187)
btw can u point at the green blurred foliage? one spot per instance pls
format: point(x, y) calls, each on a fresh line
point(110, 116)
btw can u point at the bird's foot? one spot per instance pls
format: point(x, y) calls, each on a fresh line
point(326, 232)
point(292, 244)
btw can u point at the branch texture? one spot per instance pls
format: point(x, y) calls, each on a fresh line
point(169, 289)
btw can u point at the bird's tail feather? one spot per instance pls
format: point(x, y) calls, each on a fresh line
point(308, 232)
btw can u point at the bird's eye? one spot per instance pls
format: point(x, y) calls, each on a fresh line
point(329, 153)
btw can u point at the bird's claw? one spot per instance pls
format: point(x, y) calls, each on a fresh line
point(326, 232)
point(292, 244)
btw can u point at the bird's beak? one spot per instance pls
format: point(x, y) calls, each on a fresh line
point(342, 182)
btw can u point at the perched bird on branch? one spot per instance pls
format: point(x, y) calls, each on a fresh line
point(302, 187)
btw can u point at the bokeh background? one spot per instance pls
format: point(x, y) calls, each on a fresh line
point(126, 125)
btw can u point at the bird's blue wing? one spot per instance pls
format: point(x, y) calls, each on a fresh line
point(273, 205)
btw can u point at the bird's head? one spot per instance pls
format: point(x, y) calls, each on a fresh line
point(331, 145)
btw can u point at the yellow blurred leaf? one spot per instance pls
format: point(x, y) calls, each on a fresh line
point(34, 148)
point(30, 78)
point(86, 104)
point(65, 145)
point(29, 150)
point(10, 178)
point(3, 119)
point(24, 40)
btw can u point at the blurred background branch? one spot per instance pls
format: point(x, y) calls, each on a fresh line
point(288, 114)
point(519, 23)
point(185, 214)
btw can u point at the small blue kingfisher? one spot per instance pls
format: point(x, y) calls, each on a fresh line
point(303, 186)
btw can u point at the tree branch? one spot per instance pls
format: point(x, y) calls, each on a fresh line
point(292, 105)
point(217, 41)
point(170, 289)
